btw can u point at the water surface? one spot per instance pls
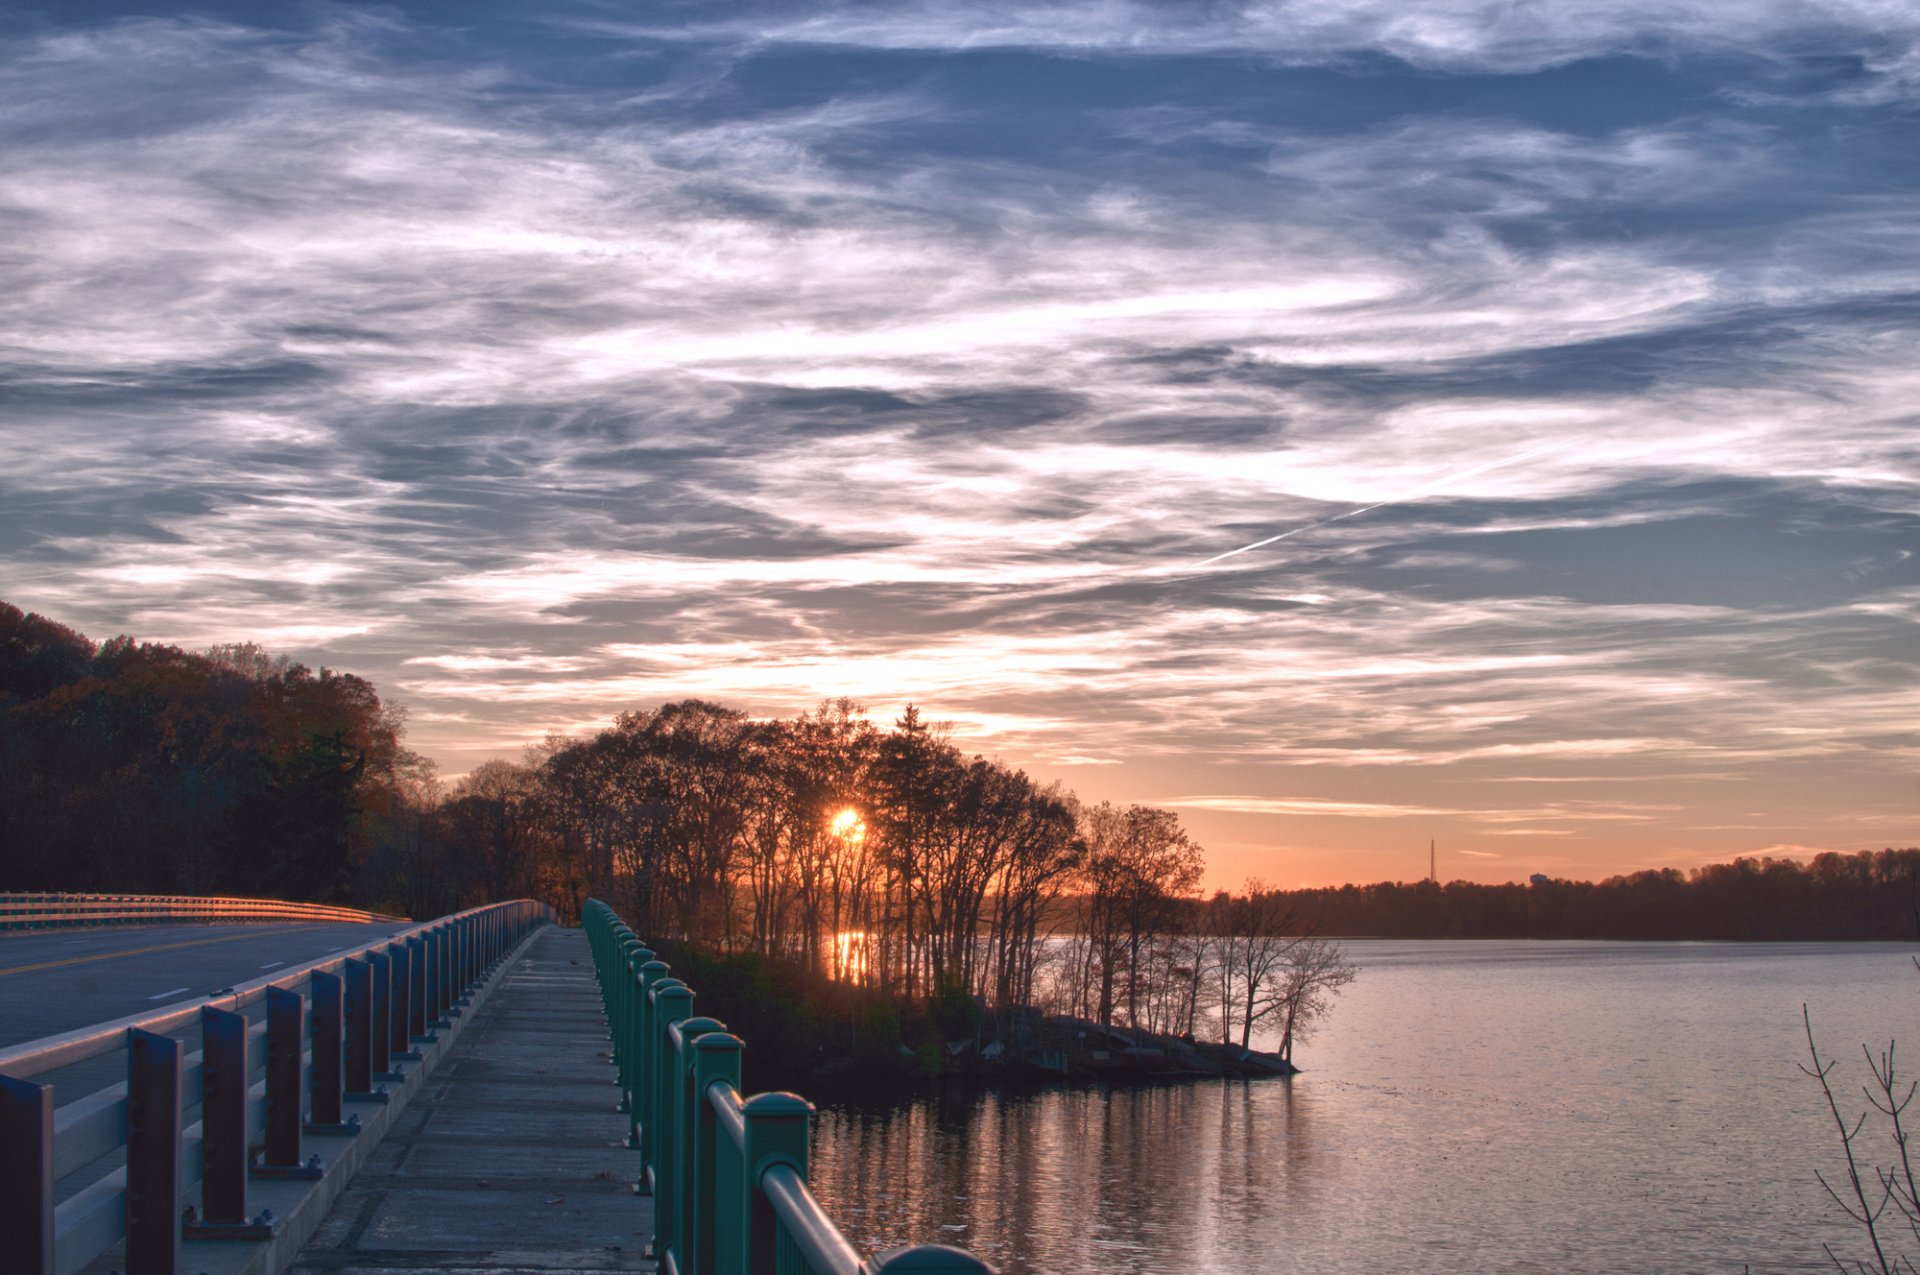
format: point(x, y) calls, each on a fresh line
point(1470, 1107)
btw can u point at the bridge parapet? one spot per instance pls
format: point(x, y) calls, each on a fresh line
point(42, 911)
point(281, 1059)
point(728, 1173)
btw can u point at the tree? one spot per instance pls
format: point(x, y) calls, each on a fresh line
point(1310, 979)
point(1256, 935)
point(1139, 863)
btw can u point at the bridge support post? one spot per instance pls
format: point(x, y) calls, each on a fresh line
point(153, 1153)
point(26, 1173)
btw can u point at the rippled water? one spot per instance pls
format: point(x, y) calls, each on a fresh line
point(1471, 1107)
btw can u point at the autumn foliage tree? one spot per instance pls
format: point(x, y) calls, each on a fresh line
point(139, 766)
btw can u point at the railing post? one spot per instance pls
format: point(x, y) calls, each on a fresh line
point(327, 996)
point(380, 1011)
point(619, 1001)
point(778, 1128)
point(432, 940)
point(223, 1129)
point(438, 998)
point(672, 1002)
point(627, 992)
point(26, 1174)
point(357, 1014)
point(686, 1100)
point(927, 1259)
point(401, 1033)
point(640, 1133)
point(286, 1022)
point(716, 1061)
point(417, 994)
point(458, 982)
point(153, 1153)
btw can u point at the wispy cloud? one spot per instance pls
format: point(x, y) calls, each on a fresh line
point(590, 364)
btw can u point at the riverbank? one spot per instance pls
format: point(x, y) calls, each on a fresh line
point(1027, 1047)
point(810, 1037)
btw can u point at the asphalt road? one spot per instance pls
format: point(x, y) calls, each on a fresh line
point(57, 980)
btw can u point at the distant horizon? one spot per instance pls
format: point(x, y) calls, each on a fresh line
point(1213, 880)
point(1344, 425)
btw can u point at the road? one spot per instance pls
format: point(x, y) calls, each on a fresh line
point(58, 980)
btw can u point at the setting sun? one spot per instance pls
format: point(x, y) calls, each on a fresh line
point(848, 824)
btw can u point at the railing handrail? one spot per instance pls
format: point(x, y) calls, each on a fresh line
point(48, 909)
point(258, 1088)
point(728, 1174)
point(820, 1242)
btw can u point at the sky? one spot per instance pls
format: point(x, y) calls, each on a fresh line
point(1346, 422)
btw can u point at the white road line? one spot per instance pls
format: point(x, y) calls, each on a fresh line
point(336, 949)
point(163, 995)
point(270, 964)
point(75, 942)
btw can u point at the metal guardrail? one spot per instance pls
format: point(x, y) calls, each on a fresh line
point(728, 1174)
point(322, 1036)
point(53, 911)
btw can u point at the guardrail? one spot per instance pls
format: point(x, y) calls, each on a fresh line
point(78, 1178)
point(50, 911)
point(728, 1174)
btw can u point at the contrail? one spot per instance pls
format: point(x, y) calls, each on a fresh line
point(1415, 494)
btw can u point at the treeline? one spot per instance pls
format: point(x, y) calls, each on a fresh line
point(138, 767)
point(884, 858)
point(887, 858)
point(1868, 895)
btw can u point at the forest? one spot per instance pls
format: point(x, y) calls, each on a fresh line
point(839, 850)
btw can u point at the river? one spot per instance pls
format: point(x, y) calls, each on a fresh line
point(1469, 1107)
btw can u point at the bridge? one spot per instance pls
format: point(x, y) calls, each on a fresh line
point(330, 1092)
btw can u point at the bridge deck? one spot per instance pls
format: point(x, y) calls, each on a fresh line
point(513, 1160)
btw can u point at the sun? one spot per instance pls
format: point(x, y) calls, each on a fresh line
point(847, 823)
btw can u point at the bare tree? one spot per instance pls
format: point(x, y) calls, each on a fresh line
point(1874, 1198)
point(1257, 936)
point(1314, 972)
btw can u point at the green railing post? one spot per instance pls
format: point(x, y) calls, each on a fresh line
point(715, 1164)
point(927, 1259)
point(778, 1125)
point(680, 1132)
point(626, 1033)
point(716, 1061)
point(652, 975)
point(670, 1002)
point(621, 1002)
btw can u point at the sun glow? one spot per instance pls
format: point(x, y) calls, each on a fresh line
point(851, 957)
point(848, 825)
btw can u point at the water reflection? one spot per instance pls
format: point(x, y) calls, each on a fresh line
point(1475, 1107)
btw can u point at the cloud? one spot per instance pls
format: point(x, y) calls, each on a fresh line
point(796, 353)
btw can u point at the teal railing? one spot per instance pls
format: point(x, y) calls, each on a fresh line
point(728, 1174)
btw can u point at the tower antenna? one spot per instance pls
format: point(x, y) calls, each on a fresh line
point(1433, 863)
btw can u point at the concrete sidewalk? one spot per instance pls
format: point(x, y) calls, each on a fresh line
point(514, 1160)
